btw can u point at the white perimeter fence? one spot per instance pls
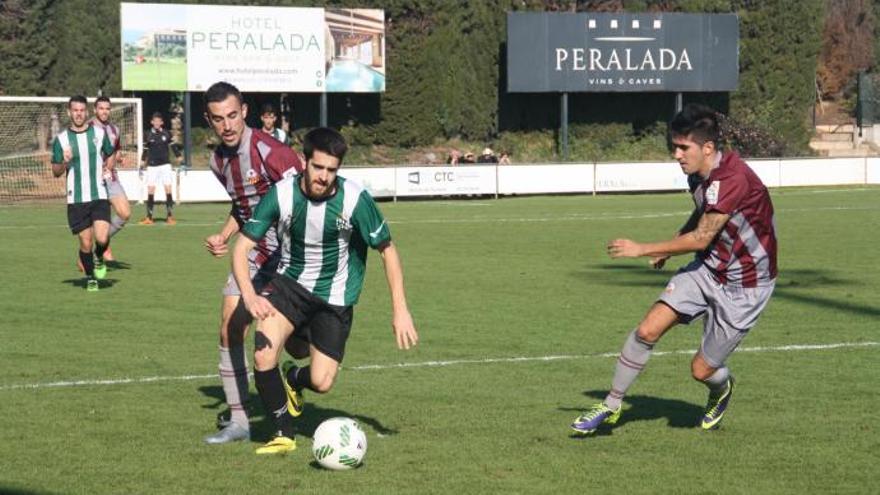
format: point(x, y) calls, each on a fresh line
point(500, 180)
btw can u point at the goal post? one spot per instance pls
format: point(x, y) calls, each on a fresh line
point(28, 124)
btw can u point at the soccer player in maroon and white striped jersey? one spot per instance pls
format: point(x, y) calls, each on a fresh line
point(729, 281)
point(247, 162)
point(115, 192)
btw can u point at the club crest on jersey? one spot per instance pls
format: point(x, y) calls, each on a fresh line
point(712, 192)
point(342, 223)
point(252, 177)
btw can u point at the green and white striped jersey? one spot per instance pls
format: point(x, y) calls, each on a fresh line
point(85, 177)
point(323, 243)
point(280, 135)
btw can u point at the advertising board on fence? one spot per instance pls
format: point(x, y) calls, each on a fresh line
point(174, 47)
point(574, 52)
point(438, 181)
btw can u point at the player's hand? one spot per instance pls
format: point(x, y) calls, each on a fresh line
point(404, 330)
point(259, 307)
point(658, 261)
point(216, 245)
point(624, 248)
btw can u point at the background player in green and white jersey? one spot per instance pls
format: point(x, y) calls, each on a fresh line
point(269, 117)
point(79, 152)
point(325, 224)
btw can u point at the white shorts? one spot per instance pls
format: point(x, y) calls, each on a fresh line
point(160, 174)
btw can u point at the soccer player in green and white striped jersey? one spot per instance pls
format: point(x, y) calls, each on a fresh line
point(325, 224)
point(79, 152)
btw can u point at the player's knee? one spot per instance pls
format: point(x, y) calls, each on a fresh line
point(322, 382)
point(265, 355)
point(700, 370)
point(647, 334)
point(231, 335)
point(264, 359)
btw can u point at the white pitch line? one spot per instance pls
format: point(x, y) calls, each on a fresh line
point(432, 364)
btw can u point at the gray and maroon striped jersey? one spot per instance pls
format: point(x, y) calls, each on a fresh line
point(248, 172)
point(744, 252)
point(113, 133)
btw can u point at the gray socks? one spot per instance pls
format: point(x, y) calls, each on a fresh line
point(234, 377)
point(718, 380)
point(632, 360)
point(116, 225)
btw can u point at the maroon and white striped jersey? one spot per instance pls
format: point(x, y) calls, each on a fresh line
point(248, 172)
point(744, 252)
point(113, 133)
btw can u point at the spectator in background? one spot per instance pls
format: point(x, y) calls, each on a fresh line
point(504, 159)
point(468, 158)
point(454, 157)
point(488, 156)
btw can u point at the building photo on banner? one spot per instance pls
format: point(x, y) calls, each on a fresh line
point(174, 47)
point(471, 247)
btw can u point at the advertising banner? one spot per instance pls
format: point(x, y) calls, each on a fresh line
point(174, 47)
point(438, 181)
point(593, 52)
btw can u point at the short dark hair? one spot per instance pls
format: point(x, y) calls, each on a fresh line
point(77, 99)
point(697, 121)
point(267, 108)
point(219, 91)
point(325, 140)
point(102, 98)
point(157, 114)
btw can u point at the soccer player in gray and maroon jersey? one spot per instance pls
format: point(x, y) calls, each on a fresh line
point(247, 162)
point(729, 281)
point(115, 192)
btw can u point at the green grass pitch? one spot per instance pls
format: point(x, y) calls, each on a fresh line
point(488, 281)
point(168, 76)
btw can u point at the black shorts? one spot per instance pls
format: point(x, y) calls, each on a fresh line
point(81, 216)
point(323, 325)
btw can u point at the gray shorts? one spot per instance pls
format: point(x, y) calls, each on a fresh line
point(114, 189)
point(260, 276)
point(730, 311)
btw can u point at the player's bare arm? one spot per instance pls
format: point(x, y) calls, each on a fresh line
point(401, 323)
point(709, 225)
point(658, 261)
point(217, 244)
point(58, 169)
point(258, 306)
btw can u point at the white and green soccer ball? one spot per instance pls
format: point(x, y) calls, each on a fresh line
point(339, 443)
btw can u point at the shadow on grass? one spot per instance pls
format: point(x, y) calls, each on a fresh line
point(6, 490)
point(679, 414)
point(262, 428)
point(81, 283)
point(788, 285)
point(214, 392)
point(118, 265)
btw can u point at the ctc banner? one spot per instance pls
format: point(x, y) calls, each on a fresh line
point(172, 47)
point(432, 181)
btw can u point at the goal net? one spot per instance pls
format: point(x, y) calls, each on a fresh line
point(28, 124)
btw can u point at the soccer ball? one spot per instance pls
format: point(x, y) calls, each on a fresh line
point(339, 443)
